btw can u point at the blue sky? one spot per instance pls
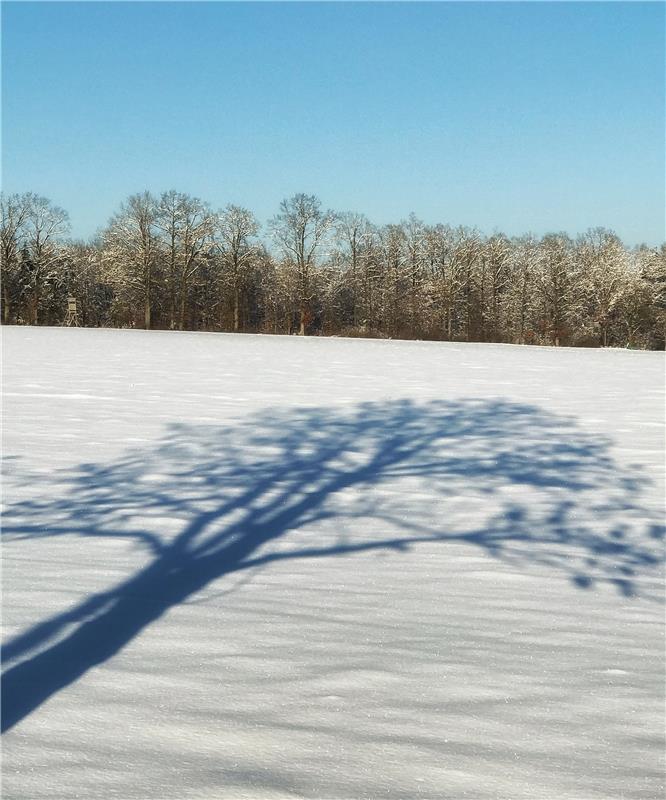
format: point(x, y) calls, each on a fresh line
point(517, 117)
